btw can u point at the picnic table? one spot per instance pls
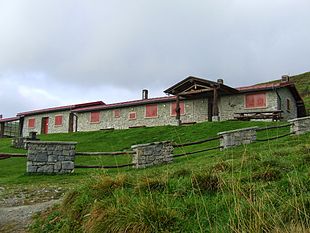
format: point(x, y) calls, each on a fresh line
point(274, 115)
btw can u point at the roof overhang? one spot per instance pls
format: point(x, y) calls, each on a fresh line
point(194, 86)
point(10, 119)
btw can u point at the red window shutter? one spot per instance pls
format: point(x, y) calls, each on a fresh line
point(132, 115)
point(58, 120)
point(151, 110)
point(95, 117)
point(174, 106)
point(255, 100)
point(117, 113)
point(31, 123)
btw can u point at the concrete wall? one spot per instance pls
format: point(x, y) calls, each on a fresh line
point(195, 110)
point(51, 125)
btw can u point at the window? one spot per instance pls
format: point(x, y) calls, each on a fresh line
point(94, 117)
point(255, 100)
point(58, 120)
point(132, 116)
point(151, 110)
point(117, 113)
point(173, 107)
point(31, 123)
point(288, 105)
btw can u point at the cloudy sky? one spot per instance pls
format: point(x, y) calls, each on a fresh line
point(57, 52)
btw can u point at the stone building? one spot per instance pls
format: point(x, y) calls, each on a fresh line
point(189, 101)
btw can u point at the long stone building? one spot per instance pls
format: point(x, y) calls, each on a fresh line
point(189, 101)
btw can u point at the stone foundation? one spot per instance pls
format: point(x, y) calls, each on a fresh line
point(50, 157)
point(237, 137)
point(152, 154)
point(300, 125)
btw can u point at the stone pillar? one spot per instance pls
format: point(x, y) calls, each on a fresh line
point(152, 154)
point(300, 125)
point(50, 157)
point(237, 137)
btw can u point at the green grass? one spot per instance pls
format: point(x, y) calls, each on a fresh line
point(302, 82)
point(261, 187)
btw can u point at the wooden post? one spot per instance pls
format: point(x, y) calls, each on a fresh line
point(178, 110)
point(21, 126)
point(2, 125)
point(215, 111)
point(71, 120)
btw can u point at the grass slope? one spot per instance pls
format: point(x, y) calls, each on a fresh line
point(302, 82)
point(261, 187)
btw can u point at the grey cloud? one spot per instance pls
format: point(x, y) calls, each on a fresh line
point(124, 46)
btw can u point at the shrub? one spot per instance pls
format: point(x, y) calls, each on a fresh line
point(206, 183)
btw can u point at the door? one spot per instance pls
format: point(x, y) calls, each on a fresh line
point(44, 129)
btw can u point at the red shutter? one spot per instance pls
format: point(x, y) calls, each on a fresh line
point(117, 113)
point(173, 107)
point(94, 117)
point(132, 116)
point(58, 120)
point(151, 110)
point(255, 100)
point(31, 123)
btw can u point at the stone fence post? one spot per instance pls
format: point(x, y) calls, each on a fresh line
point(300, 125)
point(151, 154)
point(50, 157)
point(237, 137)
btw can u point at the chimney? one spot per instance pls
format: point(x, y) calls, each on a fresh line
point(220, 81)
point(145, 94)
point(285, 78)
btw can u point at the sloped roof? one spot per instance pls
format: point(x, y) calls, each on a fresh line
point(9, 119)
point(128, 104)
point(61, 108)
point(191, 81)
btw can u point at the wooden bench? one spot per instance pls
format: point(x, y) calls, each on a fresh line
point(274, 115)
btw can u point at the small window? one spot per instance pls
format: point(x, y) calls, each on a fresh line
point(58, 120)
point(132, 115)
point(151, 110)
point(94, 117)
point(173, 107)
point(288, 105)
point(117, 113)
point(31, 123)
point(255, 100)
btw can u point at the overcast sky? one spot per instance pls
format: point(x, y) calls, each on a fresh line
point(57, 52)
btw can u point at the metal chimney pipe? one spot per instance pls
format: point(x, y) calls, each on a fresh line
point(145, 94)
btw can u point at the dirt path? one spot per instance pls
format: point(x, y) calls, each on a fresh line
point(15, 219)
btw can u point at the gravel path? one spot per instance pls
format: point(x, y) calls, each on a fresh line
point(15, 219)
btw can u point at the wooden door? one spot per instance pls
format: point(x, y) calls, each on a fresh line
point(210, 109)
point(44, 129)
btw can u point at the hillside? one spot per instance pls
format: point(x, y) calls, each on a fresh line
point(262, 187)
point(302, 82)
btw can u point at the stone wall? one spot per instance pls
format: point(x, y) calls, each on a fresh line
point(237, 137)
point(52, 128)
point(152, 154)
point(285, 95)
point(300, 125)
point(50, 157)
point(230, 104)
point(195, 111)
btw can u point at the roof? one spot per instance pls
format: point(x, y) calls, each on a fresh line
point(10, 119)
point(61, 108)
point(264, 86)
point(194, 85)
point(128, 104)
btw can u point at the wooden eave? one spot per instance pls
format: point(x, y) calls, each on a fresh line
point(193, 86)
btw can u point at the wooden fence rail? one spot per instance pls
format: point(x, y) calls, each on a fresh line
point(104, 167)
point(104, 153)
point(196, 143)
point(198, 151)
point(273, 127)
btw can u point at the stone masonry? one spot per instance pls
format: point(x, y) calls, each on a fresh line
point(237, 137)
point(50, 157)
point(300, 125)
point(152, 154)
